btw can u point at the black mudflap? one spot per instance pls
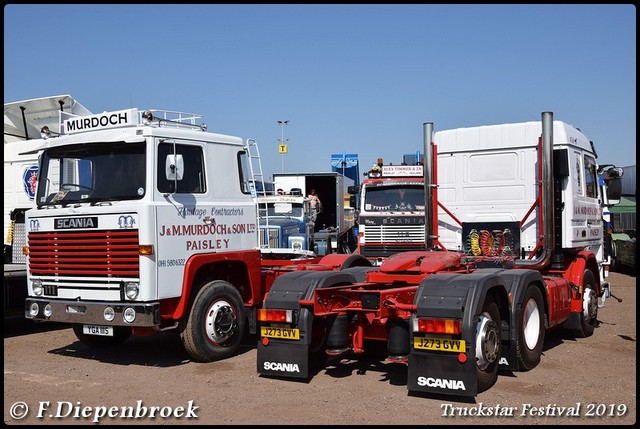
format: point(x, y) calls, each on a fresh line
point(442, 374)
point(508, 356)
point(281, 359)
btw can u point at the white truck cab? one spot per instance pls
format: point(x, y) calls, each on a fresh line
point(134, 211)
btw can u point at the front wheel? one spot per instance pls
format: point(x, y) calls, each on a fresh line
point(216, 323)
point(588, 317)
point(120, 335)
point(488, 345)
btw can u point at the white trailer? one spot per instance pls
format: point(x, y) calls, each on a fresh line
point(24, 124)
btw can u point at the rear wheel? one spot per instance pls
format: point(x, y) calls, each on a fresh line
point(588, 317)
point(488, 345)
point(120, 335)
point(216, 323)
point(530, 330)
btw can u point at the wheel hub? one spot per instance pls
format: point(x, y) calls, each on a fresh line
point(487, 343)
point(221, 322)
point(531, 320)
point(590, 304)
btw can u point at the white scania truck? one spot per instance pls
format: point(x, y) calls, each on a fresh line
point(146, 222)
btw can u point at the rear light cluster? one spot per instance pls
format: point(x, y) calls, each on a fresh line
point(437, 326)
point(275, 316)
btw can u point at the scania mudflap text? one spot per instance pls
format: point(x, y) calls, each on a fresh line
point(456, 313)
point(145, 222)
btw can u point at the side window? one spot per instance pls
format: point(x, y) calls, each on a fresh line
point(193, 177)
point(590, 177)
point(578, 172)
point(246, 178)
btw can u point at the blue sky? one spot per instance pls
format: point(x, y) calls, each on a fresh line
point(350, 78)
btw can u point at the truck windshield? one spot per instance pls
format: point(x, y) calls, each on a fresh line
point(394, 198)
point(90, 173)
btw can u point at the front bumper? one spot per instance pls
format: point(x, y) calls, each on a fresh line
point(91, 313)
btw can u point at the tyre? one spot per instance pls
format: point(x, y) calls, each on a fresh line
point(216, 323)
point(120, 335)
point(531, 330)
point(488, 347)
point(614, 266)
point(588, 318)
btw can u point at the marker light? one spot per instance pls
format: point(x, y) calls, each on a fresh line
point(45, 133)
point(145, 249)
point(147, 117)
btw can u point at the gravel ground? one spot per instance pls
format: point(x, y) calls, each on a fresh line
point(51, 378)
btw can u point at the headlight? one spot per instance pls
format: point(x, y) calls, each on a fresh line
point(109, 314)
point(296, 243)
point(33, 309)
point(47, 311)
point(129, 314)
point(36, 285)
point(131, 290)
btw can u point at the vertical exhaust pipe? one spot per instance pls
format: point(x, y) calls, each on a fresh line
point(546, 207)
point(427, 169)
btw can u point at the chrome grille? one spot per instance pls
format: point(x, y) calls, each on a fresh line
point(110, 253)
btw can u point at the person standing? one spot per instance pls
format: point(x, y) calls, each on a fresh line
point(315, 203)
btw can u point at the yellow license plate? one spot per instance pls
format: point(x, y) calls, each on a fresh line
point(282, 333)
point(440, 344)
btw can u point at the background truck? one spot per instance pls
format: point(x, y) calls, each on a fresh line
point(390, 210)
point(623, 224)
point(286, 224)
point(623, 251)
point(334, 225)
point(146, 222)
point(514, 236)
point(24, 121)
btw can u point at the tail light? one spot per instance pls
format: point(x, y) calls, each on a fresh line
point(437, 326)
point(275, 316)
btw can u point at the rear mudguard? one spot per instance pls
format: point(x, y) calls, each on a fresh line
point(290, 358)
point(455, 296)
